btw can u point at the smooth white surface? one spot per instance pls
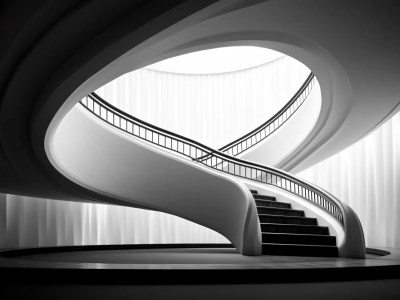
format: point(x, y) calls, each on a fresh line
point(107, 160)
point(211, 109)
point(366, 176)
point(285, 140)
point(217, 60)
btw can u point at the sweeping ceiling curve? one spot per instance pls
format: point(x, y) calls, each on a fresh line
point(220, 60)
point(331, 75)
point(351, 46)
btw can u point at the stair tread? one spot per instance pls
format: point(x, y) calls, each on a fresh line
point(272, 201)
point(301, 245)
point(293, 225)
point(266, 203)
point(285, 219)
point(281, 208)
point(294, 228)
point(300, 234)
point(288, 232)
point(300, 239)
point(284, 216)
point(263, 197)
point(300, 250)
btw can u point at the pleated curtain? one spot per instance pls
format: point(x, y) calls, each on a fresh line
point(366, 176)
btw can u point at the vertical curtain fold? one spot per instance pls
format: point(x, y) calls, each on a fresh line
point(366, 175)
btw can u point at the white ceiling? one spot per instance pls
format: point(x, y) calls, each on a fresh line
point(217, 60)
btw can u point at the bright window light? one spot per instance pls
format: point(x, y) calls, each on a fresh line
point(218, 60)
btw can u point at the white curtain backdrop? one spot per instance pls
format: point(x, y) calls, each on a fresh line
point(367, 177)
point(33, 222)
point(213, 109)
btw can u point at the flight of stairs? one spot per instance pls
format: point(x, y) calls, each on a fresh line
point(286, 231)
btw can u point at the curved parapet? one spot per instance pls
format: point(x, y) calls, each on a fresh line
point(253, 138)
point(348, 230)
point(283, 142)
point(277, 138)
point(101, 158)
point(353, 244)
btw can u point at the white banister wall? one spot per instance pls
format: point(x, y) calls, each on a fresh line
point(287, 138)
point(213, 109)
point(103, 159)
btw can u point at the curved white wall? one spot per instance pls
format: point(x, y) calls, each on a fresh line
point(213, 109)
point(284, 141)
point(104, 159)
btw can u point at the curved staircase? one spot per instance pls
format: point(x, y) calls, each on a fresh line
point(286, 231)
point(262, 224)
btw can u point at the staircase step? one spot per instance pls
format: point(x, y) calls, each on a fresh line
point(269, 203)
point(266, 218)
point(299, 250)
point(292, 228)
point(301, 239)
point(280, 211)
point(253, 191)
point(263, 197)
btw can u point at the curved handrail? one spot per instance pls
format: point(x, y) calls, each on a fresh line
point(215, 159)
point(275, 122)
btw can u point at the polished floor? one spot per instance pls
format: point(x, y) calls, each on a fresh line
point(180, 256)
point(193, 271)
point(193, 258)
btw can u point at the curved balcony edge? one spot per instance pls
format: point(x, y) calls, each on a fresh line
point(269, 127)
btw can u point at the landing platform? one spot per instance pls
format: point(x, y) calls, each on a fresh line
point(201, 267)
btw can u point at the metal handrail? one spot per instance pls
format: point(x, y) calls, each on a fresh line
point(212, 158)
point(263, 131)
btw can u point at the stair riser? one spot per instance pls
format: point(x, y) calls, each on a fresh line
point(280, 228)
point(290, 250)
point(299, 239)
point(307, 238)
point(281, 212)
point(287, 220)
point(264, 197)
point(272, 204)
